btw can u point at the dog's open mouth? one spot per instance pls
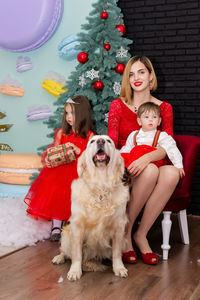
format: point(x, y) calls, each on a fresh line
point(101, 157)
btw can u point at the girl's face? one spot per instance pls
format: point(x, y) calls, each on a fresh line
point(149, 120)
point(139, 77)
point(70, 117)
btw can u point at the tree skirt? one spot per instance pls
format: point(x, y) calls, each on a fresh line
point(18, 229)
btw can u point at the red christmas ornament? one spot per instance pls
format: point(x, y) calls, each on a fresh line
point(120, 68)
point(107, 47)
point(104, 15)
point(121, 29)
point(82, 57)
point(98, 85)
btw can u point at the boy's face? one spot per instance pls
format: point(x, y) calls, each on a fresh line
point(149, 120)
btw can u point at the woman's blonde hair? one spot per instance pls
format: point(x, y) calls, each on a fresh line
point(126, 89)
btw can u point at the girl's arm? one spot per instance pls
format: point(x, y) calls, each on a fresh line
point(113, 121)
point(56, 142)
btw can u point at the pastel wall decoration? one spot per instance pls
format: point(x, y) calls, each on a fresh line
point(23, 64)
point(27, 25)
point(66, 48)
point(4, 128)
point(54, 84)
point(11, 87)
point(17, 168)
point(38, 112)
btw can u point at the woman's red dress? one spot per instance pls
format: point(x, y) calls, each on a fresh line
point(49, 197)
point(122, 121)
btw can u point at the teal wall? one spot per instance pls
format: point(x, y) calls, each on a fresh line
point(25, 136)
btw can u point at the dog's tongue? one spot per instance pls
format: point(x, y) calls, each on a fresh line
point(101, 156)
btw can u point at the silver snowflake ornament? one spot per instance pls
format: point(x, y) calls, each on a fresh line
point(106, 118)
point(122, 52)
point(92, 74)
point(117, 88)
point(82, 81)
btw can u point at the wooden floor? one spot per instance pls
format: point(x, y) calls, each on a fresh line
point(29, 275)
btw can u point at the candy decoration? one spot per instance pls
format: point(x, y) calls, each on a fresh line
point(66, 48)
point(11, 90)
point(120, 68)
point(107, 47)
point(121, 29)
point(82, 57)
point(98, 85)
point(5, 147)
point(104, 15)
point(5, 127)
point(23, 64)
point(2, 115)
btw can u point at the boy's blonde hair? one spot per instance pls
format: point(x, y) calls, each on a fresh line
point(126, 89)
point(147, 107)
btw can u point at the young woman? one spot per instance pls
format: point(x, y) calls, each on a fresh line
point(152, 186)
point(49, 197)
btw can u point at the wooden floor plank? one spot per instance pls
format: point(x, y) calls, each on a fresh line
point(28, 274)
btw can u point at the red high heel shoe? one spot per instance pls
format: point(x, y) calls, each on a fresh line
point(148, 258)
point(129, 257)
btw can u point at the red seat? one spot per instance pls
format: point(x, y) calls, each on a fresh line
point(180, 200)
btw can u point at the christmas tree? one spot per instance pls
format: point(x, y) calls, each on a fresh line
point(101, 61)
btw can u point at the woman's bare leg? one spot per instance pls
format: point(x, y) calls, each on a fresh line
point(142, 188)
point(167, 181)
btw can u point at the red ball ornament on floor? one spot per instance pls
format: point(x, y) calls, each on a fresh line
point(120, 68)
point(98, 85)
point(82, 57)
point(104, 15)
point(121, 28)
point(107, 47)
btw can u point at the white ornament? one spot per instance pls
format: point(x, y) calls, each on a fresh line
point(92, 74)
point(82, 81)
point(106, 118)
point(122, 52)
point(117, 88)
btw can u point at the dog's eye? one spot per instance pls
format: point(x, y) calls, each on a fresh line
point(92, 141)
point(108, 141)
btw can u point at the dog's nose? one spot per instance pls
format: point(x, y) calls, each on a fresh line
point(100, 142)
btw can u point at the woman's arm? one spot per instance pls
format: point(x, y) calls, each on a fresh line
point(167, 118)
point(114, 121)
point(141, 163)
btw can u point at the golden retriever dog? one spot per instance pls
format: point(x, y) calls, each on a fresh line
point(98, 220)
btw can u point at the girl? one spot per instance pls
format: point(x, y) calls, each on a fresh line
point(49, 197)
point(152, 187)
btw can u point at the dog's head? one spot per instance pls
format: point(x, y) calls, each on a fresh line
point(100, 154)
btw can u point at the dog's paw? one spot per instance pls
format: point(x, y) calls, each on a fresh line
point(58, 259)
point(74, 274)
point(121, 272)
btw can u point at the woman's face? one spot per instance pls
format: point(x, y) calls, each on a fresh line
point(139, 77)
point(70, 117)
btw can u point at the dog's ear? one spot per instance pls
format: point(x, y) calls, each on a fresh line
point(81, 166)
point(116, 166)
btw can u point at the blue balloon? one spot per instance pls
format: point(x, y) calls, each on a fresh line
point(66, 47)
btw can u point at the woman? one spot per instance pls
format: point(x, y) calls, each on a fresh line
point(152, 186)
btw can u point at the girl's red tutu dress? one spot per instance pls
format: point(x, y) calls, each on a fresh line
point(49, 197)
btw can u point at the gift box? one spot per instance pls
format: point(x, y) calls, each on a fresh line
point(61, 154)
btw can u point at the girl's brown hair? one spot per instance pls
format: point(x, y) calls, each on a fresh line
point(83, 118)
point(126, 89)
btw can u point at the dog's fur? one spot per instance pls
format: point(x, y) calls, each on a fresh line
point(98, 220)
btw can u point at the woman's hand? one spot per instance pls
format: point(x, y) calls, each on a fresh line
point(181, 172)
point(137, 166)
